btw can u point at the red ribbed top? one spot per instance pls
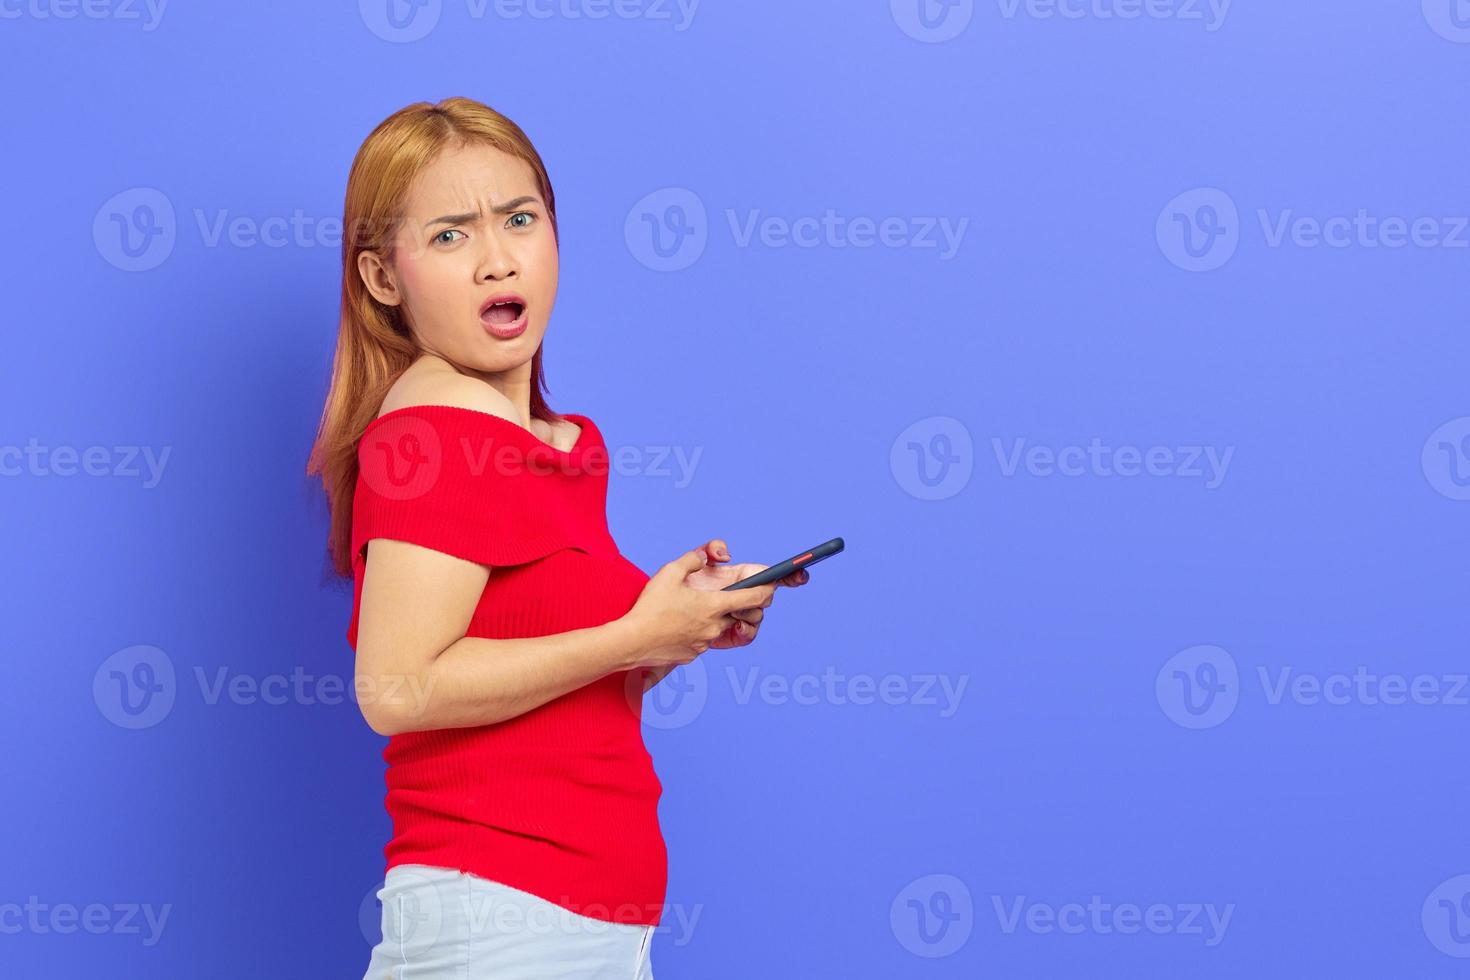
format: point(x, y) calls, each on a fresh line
point(561, 801)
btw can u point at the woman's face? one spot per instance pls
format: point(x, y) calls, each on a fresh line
point(474, 227)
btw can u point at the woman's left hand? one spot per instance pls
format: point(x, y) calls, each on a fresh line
point(715, 576)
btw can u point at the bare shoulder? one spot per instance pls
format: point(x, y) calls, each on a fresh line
point(427, 382)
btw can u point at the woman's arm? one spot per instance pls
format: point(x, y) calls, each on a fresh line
point(416, 670)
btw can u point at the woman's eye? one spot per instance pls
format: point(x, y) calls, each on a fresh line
point(447, 231)
point(522, 214)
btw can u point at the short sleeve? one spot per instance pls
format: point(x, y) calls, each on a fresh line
point(475, 486)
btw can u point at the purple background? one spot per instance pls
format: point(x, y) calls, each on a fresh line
point(831, 390)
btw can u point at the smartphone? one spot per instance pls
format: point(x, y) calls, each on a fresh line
point(779, 571)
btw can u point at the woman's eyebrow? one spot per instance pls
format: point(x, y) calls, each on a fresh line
point(506, 208)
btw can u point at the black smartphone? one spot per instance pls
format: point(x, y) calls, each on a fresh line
point(779, 571)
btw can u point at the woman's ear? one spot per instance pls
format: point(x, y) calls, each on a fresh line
point(378, 278)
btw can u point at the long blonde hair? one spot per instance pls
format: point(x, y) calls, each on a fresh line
point(374, 344)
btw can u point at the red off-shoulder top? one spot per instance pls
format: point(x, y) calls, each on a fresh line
point(562, 801)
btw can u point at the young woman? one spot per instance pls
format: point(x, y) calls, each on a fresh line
point(503, 643)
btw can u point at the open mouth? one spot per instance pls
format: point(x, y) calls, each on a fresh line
point(503, 314)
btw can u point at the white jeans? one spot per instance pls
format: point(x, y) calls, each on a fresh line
point(446, 924)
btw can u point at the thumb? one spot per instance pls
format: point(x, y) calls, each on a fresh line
point(746, 598)
point(689, 561)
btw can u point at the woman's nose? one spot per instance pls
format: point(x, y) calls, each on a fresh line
point(497, 261)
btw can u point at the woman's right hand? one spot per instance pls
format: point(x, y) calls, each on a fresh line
point(677, 622)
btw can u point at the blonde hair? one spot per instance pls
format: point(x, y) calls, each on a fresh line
point(374, 343)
